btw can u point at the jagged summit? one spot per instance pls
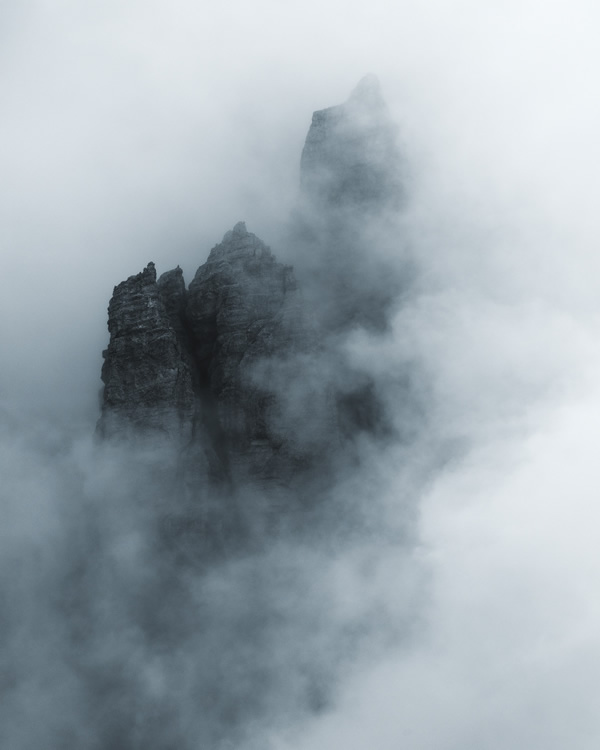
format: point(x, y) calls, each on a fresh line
point(242, 371)
point(147, 383)
point(350, 157)
point(149, 273)
point(238, 243)
point(368, 93)
point(181, 362)
point(239, 230)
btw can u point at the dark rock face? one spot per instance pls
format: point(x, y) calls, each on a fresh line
point(147, 379)
point(243, 371)
point(187, 363)
point(256, 428)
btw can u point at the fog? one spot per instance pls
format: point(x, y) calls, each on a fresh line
point(457, 609)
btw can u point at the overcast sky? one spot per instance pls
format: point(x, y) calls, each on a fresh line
point(136, 131)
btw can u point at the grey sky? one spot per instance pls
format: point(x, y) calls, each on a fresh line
point(143, 130)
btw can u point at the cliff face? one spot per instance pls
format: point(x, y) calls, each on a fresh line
point(146, 374)
point(243, 370)
point(243, 309)
point(185, 365)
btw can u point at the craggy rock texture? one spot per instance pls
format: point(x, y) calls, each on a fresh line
point(171, 286)
point(243, 308)
point(245, 372)
point(191, 363)
point(147, 378)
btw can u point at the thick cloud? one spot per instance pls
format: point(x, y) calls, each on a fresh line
point(142, 131)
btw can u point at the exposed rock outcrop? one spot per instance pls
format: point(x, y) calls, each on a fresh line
point(146, 374)
point(191, 363)
point(243, 370)
point(351, 191)
point(350, 159)
point(243, 308)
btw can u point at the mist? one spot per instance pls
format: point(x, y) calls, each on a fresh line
point(447, 596)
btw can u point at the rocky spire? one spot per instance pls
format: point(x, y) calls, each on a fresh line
point(350, 157)
point(242, 310)
point(186, 364)
point(147, 378)
point(351, 194)
point(236, 370)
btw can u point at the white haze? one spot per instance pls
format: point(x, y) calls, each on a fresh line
point(143, 131)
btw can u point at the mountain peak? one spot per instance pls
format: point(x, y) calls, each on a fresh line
point(368, 92)
point(350, 157)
